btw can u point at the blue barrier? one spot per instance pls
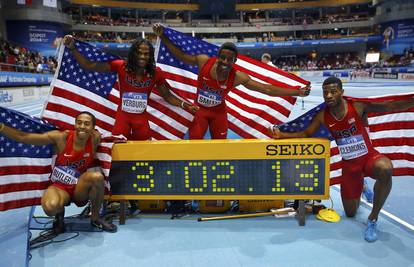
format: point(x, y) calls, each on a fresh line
point(300, 43)
point(24, 79)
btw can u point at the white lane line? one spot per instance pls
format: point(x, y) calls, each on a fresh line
point(386, 213)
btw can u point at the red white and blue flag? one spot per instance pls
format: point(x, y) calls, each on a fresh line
point(391, 133)
point(249, 112)
point(24, 169)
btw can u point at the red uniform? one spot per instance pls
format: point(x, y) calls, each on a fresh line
point(76, 161)
point(134, 94)
point(211, 99)
point(356, 150)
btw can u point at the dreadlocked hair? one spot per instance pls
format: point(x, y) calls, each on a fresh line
point(132, 60)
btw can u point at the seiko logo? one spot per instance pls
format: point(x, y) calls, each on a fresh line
point(294, 149)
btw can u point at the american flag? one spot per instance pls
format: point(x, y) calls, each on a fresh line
point(24, 169)
point(249, 112)
point(391, 133)
point(74, 89)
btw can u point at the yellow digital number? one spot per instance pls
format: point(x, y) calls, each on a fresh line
point(227, 171)
point(195, 165)
point(277, 186)
point(310, 180)
point(141, 167)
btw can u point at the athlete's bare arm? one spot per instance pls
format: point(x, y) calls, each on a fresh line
point(317, 121)
point(69, 42)
point(244, 79)
point(55, 137)
point(96, 140)
point(198, 60)
point(175, 101)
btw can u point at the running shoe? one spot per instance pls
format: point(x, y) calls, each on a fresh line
point(371, 233)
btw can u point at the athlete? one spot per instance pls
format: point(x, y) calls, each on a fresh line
point(137, 76)
point(347, 121)
point(71, 182)
point(216, 78)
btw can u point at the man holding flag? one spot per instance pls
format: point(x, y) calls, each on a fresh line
point(216, 78)
point(71, 182)
point(346, 121)
point(137, 77)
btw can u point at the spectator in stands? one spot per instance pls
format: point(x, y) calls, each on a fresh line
point(217, 77)
point(267, 59)
point(39, 67)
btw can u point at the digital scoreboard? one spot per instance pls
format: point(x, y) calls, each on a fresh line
point(221, 169)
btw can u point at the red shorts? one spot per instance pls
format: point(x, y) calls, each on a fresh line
point(70, 189)
point(132, 126)
point(213, 118)
point(354, 171)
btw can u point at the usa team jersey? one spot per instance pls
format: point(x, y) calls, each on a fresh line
point(74, 162)
point(135, 93)
point(210, 92)
point(349, 133)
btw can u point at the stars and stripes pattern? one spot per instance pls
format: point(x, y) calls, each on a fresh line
point(24, 169)
point(391, 133)
point(74, 89)
point(249, 112)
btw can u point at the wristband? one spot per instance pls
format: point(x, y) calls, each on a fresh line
point(275, 126)
point(182, 104)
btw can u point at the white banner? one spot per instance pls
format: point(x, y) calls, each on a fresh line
point(50, 3)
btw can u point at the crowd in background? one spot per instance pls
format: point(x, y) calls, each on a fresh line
point(16, 58)
point(340, 61)
point(20, 59)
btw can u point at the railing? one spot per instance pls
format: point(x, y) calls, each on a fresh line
point(20, 68)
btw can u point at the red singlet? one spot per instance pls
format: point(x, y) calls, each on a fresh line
point(78, 160)
point(211, 99)
point(356, 149)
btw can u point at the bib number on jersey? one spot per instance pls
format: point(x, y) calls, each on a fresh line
point(352, 147)
point(209, 99)
point(134, 102)
point(65, 175)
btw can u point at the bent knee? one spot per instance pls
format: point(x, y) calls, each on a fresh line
point(383, 168)
point(95, 177)
point(51, 206)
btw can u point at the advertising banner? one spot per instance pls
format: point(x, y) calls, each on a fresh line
point(24, 79)
point(397, 36)
point(37, 36)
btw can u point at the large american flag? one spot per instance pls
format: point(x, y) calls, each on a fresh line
point(249, 112)
point(74, 89)
point(391, 133)
point(24, 169)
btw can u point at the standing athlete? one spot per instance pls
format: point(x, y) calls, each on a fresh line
point(137, 76)
point(216, 78)
point(347, 122)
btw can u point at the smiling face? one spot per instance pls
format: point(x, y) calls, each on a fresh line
point(84, 126)
point(332, 94)
point(143, 55)
point(225, 60)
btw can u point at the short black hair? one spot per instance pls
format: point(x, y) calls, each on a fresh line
point(229, 46)
point(89, 114)
point(333, 80)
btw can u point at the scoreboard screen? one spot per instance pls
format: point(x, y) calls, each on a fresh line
point(221, 169)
